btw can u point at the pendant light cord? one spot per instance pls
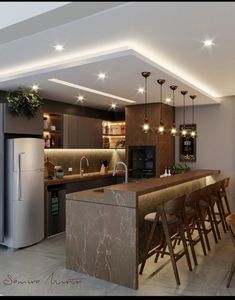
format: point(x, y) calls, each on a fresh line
point(193, 111)
point(145, 98)
point(184, 110)
point(173, 106)
point(161, 104)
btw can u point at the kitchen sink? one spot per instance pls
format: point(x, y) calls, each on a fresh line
point(99, 190)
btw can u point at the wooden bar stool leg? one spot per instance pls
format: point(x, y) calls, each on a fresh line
point(200, 232)
point(231, 273)
point(212, 224)
point(215, 222)
point(185, 247)
point(221, 214)
point(191, 245)
point(205, 235)
point(171, 251)
point(227, 204)
point(148, 246)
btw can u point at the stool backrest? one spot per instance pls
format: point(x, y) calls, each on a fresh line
point(225, 182)
point(193, 199)
point(173, 207)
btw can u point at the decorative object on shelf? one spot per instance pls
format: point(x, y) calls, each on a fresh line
point(180, 168)
point(146, 126)
point(193, 132)
point(113, 134)
point(173, 129)
point(183, 131)
point(59, 172)
point(161, 128)
point(187, 144)
point(48, 169)
point(23, 102)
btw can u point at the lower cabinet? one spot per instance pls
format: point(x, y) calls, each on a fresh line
point(55, 200)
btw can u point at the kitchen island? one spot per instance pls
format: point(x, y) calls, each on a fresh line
point(105, 228)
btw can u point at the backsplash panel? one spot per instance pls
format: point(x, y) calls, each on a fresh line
point(68, 158)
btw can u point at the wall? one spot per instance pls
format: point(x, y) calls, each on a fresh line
point(71, 158)
point(216, 139)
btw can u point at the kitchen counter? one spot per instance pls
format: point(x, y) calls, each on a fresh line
point(105, 228)
point(78, 177)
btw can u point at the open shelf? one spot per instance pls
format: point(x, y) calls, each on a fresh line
point(52, 131)
point(113, 135)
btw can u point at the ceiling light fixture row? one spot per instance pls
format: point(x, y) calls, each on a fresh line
point(160, 129)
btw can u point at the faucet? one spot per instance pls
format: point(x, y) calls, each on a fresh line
point(125, 166)
point(87, 164)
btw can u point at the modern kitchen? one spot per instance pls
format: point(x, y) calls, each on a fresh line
point(117, 149)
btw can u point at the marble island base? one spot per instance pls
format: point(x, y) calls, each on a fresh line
point(106, 233)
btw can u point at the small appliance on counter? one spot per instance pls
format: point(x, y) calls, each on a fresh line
point(59, 172)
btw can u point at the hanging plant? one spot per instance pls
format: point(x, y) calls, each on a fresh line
point(23, 102)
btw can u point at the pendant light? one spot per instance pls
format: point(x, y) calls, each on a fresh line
point(184, 131)
point(145, 126)
point(173, 129)
point(161, 128)
point(193, 132)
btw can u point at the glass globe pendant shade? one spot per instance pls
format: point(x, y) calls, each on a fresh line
point(184, 132)
point(145, 126)
point(161, 128)
point(193, 134)
point(173, 130)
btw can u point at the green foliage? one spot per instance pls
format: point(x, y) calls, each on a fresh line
point(23, 102)
point(180, 168)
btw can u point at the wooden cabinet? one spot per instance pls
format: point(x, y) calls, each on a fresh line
point(21, 124)
point(81, 132)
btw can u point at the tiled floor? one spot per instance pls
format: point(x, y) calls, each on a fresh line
point(40, 270)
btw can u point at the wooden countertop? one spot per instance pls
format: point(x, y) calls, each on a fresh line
point(154, 184)
point(78, 177)
point(114, 194)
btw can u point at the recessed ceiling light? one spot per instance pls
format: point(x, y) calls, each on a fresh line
point(113, 106)
point(80, 98)
point(59, 47)
point(168, 100)
point(208, 43)
point(141, 90)
point(35, 87)
point(101, 75)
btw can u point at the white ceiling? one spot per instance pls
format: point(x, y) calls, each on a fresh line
point(14, 12)
point(123, 40)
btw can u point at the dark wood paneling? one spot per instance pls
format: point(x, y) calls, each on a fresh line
point(165, 146)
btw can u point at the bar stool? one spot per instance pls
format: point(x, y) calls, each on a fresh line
point(170, 216)
point(223, 184)
point(217, 189)
point(192, 217)
point(230, 219)
point(205, 215)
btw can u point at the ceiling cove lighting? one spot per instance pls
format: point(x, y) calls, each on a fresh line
point(145, 126)
point(84, 88)
point(161, 128)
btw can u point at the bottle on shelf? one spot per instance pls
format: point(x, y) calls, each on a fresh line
point(47, 142)
point(52, 142)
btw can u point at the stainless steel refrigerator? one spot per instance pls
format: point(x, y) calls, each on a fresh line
point(24, 202)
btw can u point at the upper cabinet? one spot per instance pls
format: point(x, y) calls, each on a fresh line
point(21, 124)
point(81, 132)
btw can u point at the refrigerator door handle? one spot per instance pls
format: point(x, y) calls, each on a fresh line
point(20, 198)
